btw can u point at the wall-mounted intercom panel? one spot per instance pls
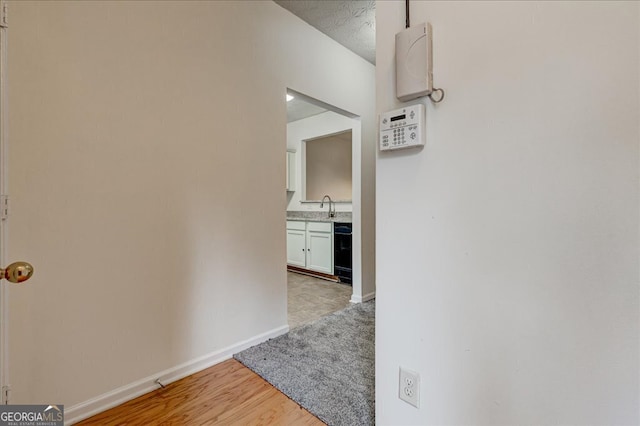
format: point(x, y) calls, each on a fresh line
point(402, 128)
point(414, 69)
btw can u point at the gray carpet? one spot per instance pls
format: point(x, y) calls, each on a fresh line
point(327, 367)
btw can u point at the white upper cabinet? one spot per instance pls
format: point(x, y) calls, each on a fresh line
point(291, 170)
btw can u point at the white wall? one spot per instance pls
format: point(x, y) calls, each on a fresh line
point(327, 123)
point(147, 145)
point(328, 167)
point(507, 260)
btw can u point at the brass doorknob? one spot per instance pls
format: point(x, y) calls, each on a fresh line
point(17, 272)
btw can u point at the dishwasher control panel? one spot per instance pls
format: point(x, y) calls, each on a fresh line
point(402, 128)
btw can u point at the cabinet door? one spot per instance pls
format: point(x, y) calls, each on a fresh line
point(296, 247)
point(291, 171)
point(320, 251)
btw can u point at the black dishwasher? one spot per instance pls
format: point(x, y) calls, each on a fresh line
point(342, 263)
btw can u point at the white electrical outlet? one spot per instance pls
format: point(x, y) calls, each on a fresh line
point(409, 389)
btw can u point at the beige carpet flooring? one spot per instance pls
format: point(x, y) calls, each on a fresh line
point(309, 298)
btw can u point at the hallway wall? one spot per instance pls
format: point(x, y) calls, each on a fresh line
point(510, 284)
point(147, 166)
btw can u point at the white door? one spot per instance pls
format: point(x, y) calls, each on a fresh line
point(17, 272)
point(320, 251)
point(4, 325)
point(296, 247)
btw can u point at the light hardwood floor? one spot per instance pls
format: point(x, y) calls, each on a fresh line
point(229, 393)
point(225, 394)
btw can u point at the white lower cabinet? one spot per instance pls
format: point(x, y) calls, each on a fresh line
point(297, 243)
point(310, 245)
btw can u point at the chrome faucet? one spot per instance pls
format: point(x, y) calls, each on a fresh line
point(331, 213)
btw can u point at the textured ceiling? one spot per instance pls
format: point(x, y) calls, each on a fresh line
point(352, 23)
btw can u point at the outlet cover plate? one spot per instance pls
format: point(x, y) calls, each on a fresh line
point(409, 387)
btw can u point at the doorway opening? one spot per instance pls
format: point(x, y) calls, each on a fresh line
point(323, 178)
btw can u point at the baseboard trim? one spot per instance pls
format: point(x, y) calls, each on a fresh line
point(314, 274)
point(133, 390)
point(361, 299)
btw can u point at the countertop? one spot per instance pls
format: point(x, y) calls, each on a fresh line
point(344, 217)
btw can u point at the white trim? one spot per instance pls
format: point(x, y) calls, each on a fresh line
point(361, 299)
point(133, 390)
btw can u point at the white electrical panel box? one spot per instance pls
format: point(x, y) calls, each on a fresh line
point(414, 64)
point(402, 128)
